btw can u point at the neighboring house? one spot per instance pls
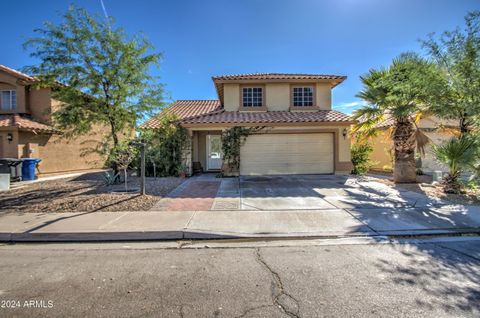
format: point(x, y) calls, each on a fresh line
point(26, 129)
point(302, 134)
point(437, 130)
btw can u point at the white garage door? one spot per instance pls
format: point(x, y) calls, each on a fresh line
point(287, 154)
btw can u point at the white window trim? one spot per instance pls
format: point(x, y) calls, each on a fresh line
point(12, 105)
point(302, 96)
point(252, 98)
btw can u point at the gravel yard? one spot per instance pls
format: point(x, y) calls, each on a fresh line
point(85, 193)
point(424, 185)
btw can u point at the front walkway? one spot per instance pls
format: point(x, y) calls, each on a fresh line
point(202, 193)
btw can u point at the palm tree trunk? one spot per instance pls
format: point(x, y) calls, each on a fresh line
point(404, 152)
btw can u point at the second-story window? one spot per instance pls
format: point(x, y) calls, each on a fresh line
point(252, 97)
point(303, 96)
point(8, 100)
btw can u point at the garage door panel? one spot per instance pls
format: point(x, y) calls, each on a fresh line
point(287, 154)
point(282, 155)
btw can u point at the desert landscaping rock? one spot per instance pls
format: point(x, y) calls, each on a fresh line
point(86, 193)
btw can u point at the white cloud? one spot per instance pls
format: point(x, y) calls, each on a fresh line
point(350, 105)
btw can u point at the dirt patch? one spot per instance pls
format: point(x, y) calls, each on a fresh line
point(424, 186)
point(86, 193)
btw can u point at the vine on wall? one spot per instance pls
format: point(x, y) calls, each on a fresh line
point(232, 140)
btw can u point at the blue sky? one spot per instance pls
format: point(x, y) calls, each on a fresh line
point(201, 38)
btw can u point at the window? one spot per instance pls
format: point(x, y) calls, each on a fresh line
point(303, 96)
point(8, 100)
point(252, 97)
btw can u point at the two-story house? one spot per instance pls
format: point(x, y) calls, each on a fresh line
point(27, 131)
point(302, 134)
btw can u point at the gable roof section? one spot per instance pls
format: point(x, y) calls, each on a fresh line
point(17, 74)
point(273, 77)
point(274, 117)
point(278, 76)
point(23, 122)
point(185, 109)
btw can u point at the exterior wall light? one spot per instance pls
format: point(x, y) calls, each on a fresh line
point(9, 137)
point(344, 133)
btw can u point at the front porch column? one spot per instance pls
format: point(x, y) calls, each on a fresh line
point(187, 154)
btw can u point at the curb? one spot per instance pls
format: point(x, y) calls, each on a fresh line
point(201, 235)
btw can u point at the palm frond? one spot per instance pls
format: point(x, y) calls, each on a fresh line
point(368, 118)
point(421, 140)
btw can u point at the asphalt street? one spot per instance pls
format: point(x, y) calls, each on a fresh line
point(303, 278)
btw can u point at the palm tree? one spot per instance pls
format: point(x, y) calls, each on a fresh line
point(400, 94)
point(457, 153)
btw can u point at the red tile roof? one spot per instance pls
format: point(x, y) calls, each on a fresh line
point(23, 122)
point(277, 76)
point(16, 73)
point(273, 117)
point(185, 109)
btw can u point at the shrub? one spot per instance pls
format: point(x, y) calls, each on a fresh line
point(459, 154)
point(163, 155)
point(360, 153)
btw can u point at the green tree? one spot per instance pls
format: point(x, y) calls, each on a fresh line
point(100, 74)
point(402, 93)
point(457, 53)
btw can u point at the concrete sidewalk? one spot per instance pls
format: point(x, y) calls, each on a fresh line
point(111, 226)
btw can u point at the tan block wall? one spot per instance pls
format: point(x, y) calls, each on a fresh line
point(8, 149)
point(40, 104)
point(59, 154)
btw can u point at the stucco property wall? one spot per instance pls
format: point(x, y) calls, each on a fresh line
point(59, 154)
point(382, 155)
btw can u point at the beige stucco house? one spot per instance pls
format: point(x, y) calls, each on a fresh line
point(301, 132)
point(26, 128)
point(436, 129)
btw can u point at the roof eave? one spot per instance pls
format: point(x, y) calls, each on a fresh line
point(253, 124)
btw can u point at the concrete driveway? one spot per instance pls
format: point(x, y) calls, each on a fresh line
point(314, 192)
point(383, 208)
point(314, 203)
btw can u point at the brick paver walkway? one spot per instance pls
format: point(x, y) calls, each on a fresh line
point(193, 195)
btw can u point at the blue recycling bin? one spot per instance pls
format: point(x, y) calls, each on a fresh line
point(28, 168)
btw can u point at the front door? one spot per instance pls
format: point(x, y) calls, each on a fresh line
point(214, 152)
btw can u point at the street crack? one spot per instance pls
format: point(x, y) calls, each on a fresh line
point(250, 310)
point(281, 299)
